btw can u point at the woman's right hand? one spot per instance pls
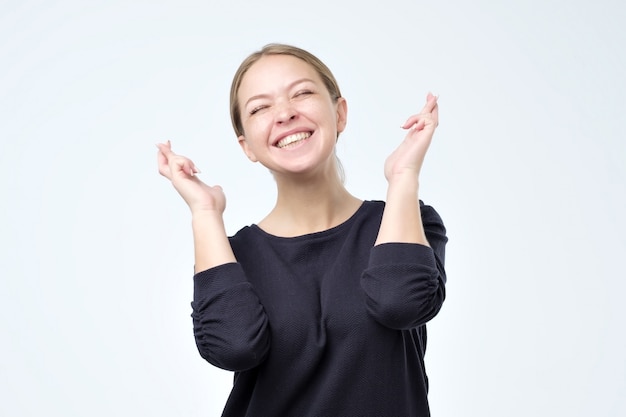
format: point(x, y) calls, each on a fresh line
point(181, 171)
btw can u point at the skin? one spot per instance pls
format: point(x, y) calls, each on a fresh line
point(280, 95)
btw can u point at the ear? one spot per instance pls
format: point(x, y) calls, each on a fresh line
point(342, 114)
point(246, 149)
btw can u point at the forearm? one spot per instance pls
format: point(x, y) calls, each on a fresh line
point(211, 245)
point(402, 220)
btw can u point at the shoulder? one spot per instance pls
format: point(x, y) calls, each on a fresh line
point(372, 208)
point(244, 239)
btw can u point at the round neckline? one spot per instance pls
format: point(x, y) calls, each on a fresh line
point(320, 234)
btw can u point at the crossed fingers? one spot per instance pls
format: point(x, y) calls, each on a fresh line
point(170, 163)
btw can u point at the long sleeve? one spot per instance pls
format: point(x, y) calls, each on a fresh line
point(292, 310)
point(404, 283)
point(230, 325)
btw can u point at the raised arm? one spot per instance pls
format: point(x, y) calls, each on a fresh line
point(207, 205)
point(402, 222)
point(405, 279)
point(229, 323)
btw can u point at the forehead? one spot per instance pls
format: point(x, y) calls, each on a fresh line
point(274, 71)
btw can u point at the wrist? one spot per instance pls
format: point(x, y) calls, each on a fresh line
point(207, 219)
point(403, 183)
point(205, 213)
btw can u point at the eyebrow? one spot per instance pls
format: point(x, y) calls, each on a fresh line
point(289, 86)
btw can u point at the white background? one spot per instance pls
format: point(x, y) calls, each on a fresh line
point(527, 170)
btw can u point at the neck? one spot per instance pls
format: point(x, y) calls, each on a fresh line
point(309, 205)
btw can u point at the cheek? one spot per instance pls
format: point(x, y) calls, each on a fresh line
point(254, 123)
point(320, 112)
point(257, 128)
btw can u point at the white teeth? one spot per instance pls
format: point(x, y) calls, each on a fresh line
point(292, 138)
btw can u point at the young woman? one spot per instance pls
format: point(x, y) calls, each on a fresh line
point(321, 307)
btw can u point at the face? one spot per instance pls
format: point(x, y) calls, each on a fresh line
point(289, 119)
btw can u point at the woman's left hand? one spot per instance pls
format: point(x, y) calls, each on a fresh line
point(407, 159)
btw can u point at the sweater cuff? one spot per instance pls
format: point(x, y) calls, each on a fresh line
point(401, 253)
point(217, 279)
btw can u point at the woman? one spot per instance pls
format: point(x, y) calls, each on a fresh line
point(320, 308)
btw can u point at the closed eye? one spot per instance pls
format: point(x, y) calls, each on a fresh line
point(303, 93)
point(258, 109)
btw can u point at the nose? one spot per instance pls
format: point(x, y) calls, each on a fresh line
point(285, 113)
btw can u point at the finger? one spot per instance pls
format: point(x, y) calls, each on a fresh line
point(190, 168)
point(166, 149)
point(431, 102)
point(410, 121)
point(167, 144)
point(168, 159)
point(419, 125)
point(163, 164)
point(414, 120)
point(162, 159)
point(181, 164)
point(431, 95)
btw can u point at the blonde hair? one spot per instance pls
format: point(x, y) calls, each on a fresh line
point(277, 49)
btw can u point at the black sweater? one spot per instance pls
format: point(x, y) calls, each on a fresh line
point(324, 324)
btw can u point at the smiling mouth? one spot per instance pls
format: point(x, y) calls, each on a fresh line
point(288, 140)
